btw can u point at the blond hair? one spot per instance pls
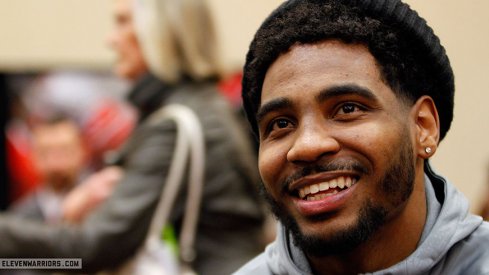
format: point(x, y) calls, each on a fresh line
point(177, 38)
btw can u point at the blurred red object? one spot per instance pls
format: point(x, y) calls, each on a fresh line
point(231, 89)
point(108, 128)
point(23, 175)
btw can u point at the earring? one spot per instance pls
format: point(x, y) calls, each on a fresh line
point(428, 150)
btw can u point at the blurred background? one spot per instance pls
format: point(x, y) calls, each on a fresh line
point(47, 44)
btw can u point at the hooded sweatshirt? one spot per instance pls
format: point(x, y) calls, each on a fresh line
point(453, 241)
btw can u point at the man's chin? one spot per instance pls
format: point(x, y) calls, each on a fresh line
point(369, 219)
point(321, 245)
point(320, 242)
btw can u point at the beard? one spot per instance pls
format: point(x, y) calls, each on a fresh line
point(396, 185)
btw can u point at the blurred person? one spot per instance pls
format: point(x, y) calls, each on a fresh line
point(61, 159)
point(94, 100)
point(350, 100)
point(167, 47)
point(88, 98)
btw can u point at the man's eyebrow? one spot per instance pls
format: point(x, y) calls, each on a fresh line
point(330, 92)
point(273, 105)
point(347, 89)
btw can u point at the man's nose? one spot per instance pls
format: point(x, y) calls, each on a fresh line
point(312, 141)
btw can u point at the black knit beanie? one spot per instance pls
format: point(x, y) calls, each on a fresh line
point(430, 55)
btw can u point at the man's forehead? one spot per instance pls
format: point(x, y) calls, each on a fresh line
point(329, 73)
point(329, 63)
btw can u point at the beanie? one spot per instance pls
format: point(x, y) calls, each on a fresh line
point(394, 13)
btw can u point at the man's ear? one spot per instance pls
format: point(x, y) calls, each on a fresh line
point(427, 126)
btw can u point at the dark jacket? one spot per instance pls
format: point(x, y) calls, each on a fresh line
point(230, 220)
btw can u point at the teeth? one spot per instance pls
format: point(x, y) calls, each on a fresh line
point(333, 184)
point(321, 196)
point(314, 188)
point(323, 186)
point(341, 182)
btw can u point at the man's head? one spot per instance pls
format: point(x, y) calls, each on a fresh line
point(344, 97)
point(59, 152)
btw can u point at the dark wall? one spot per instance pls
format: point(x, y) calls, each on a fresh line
point(4, 113)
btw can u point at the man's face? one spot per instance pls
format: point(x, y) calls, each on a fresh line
point(130, 62)
point(335, 155)
point(59, 154)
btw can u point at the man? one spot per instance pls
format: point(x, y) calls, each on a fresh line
point(60, 156)
point(349, 100)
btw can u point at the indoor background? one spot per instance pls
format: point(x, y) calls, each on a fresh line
point(57, 34)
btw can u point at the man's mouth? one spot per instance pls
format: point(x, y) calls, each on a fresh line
point(325, 189)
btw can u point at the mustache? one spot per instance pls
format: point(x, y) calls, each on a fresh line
point(337, 165)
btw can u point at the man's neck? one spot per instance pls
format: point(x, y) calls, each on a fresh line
point(394, 242)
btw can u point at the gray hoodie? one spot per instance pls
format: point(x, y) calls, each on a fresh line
point(453, 241)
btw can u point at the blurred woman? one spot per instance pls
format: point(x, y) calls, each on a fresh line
point(167, 47)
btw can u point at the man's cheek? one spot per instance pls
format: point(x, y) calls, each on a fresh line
point(269, 164)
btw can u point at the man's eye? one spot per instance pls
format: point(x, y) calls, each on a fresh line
point(349, 111)
point(280, 123)
point(348, 108)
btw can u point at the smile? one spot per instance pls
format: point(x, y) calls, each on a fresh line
point(325, 189)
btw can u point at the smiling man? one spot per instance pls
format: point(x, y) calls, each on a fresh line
point(349, 100)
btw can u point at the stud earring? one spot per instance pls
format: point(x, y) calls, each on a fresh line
point(428, 150)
